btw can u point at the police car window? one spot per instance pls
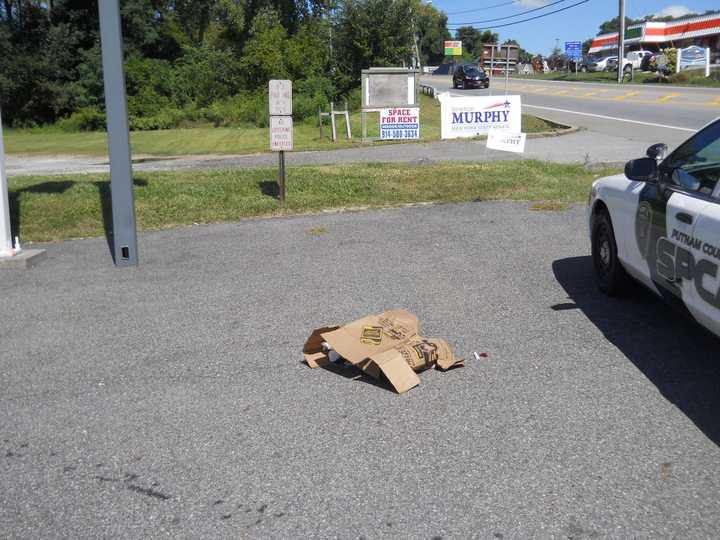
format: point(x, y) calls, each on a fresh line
point(695, 166)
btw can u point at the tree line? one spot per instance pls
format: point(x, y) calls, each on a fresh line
point(202, 60)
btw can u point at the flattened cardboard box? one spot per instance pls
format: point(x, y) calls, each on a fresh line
point(388, 344)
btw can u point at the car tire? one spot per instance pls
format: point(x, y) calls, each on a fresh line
point(611, 277)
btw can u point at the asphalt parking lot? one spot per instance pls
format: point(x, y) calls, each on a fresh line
point(170, 400)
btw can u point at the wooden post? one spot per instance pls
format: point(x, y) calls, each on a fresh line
point(320, 121)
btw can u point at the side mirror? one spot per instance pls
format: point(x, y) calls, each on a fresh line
point(642, 170)
point(657, 151)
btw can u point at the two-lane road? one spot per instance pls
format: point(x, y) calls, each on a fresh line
point(650, 113)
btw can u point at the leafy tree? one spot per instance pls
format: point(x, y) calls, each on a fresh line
point(208, 59)
point(613, 25)
point(431, 26)
point(473, 40)
point(372, 33)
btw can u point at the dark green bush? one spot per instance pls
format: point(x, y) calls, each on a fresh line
point(86, 119)
point(245, 108)
point(165, 119)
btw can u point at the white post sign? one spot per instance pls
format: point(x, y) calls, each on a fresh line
point(281, 133)
point(6, 247)
point(281, 125)
point(506, 140)
point(472, 116)
point(280, 97)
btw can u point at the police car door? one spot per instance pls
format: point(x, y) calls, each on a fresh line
point(685, 254)
point(706, 305)
point(703, 165)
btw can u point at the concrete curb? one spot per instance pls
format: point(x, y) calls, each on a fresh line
point(27, 258)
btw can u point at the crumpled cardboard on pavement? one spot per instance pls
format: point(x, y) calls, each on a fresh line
point(388, 344)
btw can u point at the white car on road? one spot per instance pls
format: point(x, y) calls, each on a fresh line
point(659, 223)
point(600, 64)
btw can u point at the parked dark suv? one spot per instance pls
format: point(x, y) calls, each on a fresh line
point(470, 77)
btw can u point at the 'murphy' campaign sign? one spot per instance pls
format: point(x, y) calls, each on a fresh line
point(476, 115)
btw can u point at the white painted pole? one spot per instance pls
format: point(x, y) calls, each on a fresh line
point(6, 247)
point(707, 62)
point(677, 61)
point(621, 42)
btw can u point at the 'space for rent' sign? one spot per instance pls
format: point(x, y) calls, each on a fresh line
point(402, 123)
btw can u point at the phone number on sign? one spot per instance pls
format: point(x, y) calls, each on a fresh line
point(399, 134)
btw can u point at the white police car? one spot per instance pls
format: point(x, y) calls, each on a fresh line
point(660, 223)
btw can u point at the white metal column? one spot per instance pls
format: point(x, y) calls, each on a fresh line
point(6, 246)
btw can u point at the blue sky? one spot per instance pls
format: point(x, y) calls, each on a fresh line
point(578, 23)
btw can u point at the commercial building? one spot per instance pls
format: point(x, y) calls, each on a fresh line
point(703, 31)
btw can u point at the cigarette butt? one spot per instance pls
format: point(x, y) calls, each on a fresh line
point(477, 356)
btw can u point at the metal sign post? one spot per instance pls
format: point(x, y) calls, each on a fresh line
point(621, 42)
point(492, 65)
point(281, 179)
point(507, 69)
point(124, 230)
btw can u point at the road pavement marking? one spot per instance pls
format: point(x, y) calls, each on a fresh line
point(603, 91)
point(625, 96)
point(715, 101)
point(667, 98)
point(610, 118)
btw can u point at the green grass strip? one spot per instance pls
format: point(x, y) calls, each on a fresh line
point(56, 208)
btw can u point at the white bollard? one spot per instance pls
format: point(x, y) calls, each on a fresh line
point(677, 61)
point(707, 62)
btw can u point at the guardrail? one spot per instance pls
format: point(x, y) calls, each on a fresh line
point(428, 90)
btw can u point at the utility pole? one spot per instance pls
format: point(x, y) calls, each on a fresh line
point(621, 43)
point(124, 229)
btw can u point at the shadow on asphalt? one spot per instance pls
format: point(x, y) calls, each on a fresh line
point(59, 187)
point(676, 354)
point(350, 372)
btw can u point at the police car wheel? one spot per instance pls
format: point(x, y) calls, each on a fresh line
point(609, 273)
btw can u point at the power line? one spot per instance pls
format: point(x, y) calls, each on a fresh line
point(529, 18)
point(511, 16)
point(483, 8)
